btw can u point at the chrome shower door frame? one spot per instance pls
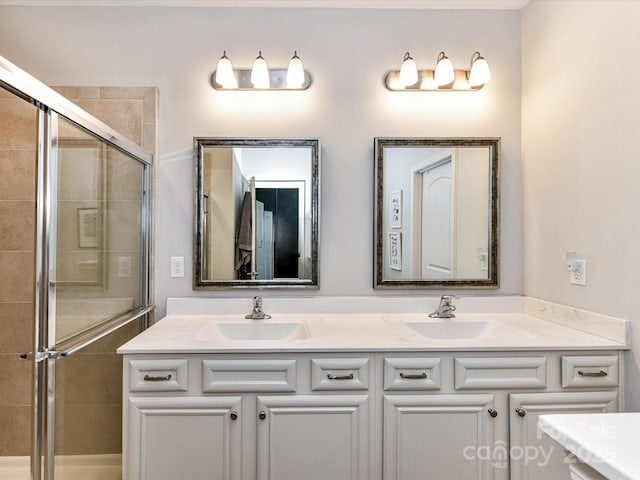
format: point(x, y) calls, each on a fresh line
point(51, 107)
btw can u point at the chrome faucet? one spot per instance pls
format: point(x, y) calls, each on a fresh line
point(257, 313)
point(446, 308)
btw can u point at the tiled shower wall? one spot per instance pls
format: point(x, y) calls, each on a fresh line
point(18, 142)
point(132, 112)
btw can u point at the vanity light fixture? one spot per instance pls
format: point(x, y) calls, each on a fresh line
point(408, 71)
point(443, 79)
point(260, 72)
point(224, 71)
point(479, 73)
point(295, 72)
point(444, 74)
point(260, 77)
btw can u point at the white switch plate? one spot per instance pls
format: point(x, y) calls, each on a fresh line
point(579, 275)
point(177, 267)
point(124, 267)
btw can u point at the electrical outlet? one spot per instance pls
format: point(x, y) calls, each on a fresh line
point(177, 267)
point(124, 267)
point(579, 275)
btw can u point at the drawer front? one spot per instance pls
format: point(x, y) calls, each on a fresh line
point(412, 374)
point(159, 375)
point(259, 375)
point(590, 371)
point(340, 374)
point(500, 372)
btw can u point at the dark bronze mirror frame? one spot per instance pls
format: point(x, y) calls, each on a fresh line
point(492, 280)
point(201, 143)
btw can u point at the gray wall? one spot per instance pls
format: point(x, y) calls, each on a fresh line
point(581, 104)
point(347, 52)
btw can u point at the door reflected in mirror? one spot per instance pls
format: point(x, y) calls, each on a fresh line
point(256, 213)
point(436, 212)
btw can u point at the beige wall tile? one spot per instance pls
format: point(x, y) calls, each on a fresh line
point(17, 279)
point(15, 377)
point(18, 225)
point(16, 329)
point(18, 124)
point(127, 93)
point(123, 226)
point(15, 430)
point(150, 105)
point(78, 92)
point(149, 136)
point(124, 116)
point(17, 174)
point(91, 429)
point(93, 379)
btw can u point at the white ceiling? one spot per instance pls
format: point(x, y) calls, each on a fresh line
point(397, 4)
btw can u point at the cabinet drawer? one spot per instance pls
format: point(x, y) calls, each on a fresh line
point(340, 374)
point(412, 374)
point(159, 375)
point(259, 375)
point(500, 372)
point(591, 371)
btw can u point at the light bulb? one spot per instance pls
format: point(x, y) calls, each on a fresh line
point(295, 72)
point(260, 72)
point(224, 72)
point(408, 71)
point(444, 71)
point(480, 73)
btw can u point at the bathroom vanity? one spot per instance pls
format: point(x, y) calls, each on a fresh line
point(357, 396)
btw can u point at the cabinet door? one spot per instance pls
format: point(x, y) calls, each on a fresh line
point(170, 438)
point(533, 455)
point(438, 437)
point(313, 437)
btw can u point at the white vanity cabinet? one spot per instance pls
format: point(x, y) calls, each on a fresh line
point(473, 415)
point(377, 415)
point(241, 417)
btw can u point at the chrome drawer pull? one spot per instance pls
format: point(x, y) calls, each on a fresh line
point(413, 376)
point(147, 378)
point(331, 376)
point(601, 373)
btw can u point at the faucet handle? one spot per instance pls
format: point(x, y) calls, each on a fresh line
point(448, 298)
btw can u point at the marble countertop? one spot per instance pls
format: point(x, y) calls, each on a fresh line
point(335, 332)
point(607, 442)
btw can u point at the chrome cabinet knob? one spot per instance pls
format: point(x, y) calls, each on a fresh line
point(262, 415)
point(493, 413)
point(521, 412)
point(234, 415)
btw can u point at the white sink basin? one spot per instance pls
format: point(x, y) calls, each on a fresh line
point(449, 329)
point(259, 330)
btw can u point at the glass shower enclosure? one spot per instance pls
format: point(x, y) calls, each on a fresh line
point(75, 199)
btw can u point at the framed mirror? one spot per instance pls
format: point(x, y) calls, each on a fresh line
point(436, 212)
point(256, 213)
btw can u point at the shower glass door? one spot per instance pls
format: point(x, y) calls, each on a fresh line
point(98, 232)
point(98, 254)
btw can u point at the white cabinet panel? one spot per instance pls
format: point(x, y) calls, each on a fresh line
point(313, 437)
point(173, 438)
point(534, 456)
point(500, 372)
point(437, 437)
